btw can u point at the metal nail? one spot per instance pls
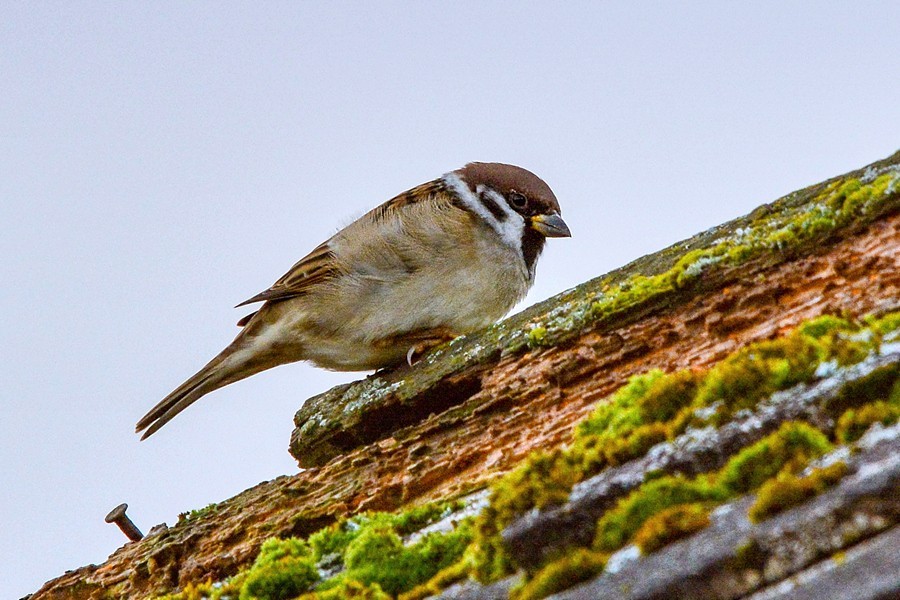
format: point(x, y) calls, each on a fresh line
point(118, 516)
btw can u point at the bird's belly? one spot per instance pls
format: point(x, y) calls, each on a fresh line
point(367, 314)
point(461, 301)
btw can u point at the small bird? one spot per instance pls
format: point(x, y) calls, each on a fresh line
point(445, 258)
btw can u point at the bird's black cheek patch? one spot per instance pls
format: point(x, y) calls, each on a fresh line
point(492, 206)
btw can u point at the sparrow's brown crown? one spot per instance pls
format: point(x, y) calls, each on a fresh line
point(508, 180)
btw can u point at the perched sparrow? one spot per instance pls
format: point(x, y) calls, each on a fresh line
point(445, 258)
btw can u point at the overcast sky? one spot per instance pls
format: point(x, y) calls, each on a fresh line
point(161, 162)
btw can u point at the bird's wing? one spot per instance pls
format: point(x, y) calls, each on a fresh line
point(320, 265)
point(314, 268)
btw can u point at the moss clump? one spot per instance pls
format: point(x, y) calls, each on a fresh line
point(882, 383)
point(754, 373)
point(198, 513)
point(856, 421)
point(787, 450)
point(636, 444)
point(670, 525)
point(335, 538)
point(442, 579)
point(634, 420)
point(651, 397)
point(377, 565)
point(284, 569)
point(619, 525)
point(543, 479)
point(787, 490)
point(580, 565)
point(378, 556)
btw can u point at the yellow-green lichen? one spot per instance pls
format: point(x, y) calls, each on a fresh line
point(838, 205)
point(786, 490)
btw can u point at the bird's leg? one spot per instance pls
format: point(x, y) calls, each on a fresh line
point(419, 342)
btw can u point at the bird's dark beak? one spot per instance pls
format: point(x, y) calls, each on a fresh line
point(550, 226)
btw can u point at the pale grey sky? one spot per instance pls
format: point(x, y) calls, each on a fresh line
point(160, 162)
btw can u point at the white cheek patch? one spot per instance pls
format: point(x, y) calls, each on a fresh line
point(509, 229)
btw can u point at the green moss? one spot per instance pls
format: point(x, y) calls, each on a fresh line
point(880, 384)
point(284, 569)
point(635, 445)
point(856, 421)
point(335, 538)
point(379, 556)
point(618, 525)
point(824, 326)
point(580, 565)
point(884, 325)
point(787, 490)
point(788, 449)
point(377, 565)
point(753, 373)
point(650, 397)
point(617, 431)
point(198, 513)
point(670, 525)
point(447, 576)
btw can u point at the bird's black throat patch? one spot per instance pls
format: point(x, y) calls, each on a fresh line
point(532, 245)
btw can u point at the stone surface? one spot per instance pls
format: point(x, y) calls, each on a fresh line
point(867, 571)
point(713, 564)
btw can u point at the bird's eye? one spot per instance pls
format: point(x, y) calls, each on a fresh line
point(518, 200)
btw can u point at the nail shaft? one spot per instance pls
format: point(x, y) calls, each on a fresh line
point(118, 516)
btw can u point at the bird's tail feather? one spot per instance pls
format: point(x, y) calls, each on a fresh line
point(224, 369)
